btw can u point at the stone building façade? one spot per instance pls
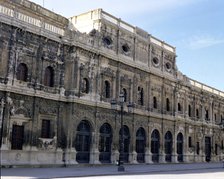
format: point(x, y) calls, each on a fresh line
point(58, 77)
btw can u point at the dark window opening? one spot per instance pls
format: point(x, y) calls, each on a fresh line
point(189, 110)
point(155, 145)
point(126, 140)
point(197, 113)
point(140, 96)
point(167, 104)
point(22, 72)
point(125, 48)
point(216, 149)
point(49, 77)
point(107, 89)
point(85, 85)
point(198, 148)
point(140, 145)
point(189, 142)
point(105, 143)
point(206, 115)
point(82, 142)
point(46, 128)
point(17, 137)
point(168, 146)
point(179, 107)
point(180, 146)
point(155, 61)
point(107, 41)
point(125, 94)
point(154, 102)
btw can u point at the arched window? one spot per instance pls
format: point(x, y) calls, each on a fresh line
point(85, 85)
point(49, 77)
point(140, 145)
point(21, 72)
point(125, 94)
point(126, 139)
point(167, 104)
point(105, 143)
point(154, 102)
point(189, 110)
point(179, 107)
point(155, 140)
point(82, 142)
point(107, 89)
point(168, 146)
point(180, 145)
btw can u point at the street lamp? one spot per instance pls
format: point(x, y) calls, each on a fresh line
point(114, 104)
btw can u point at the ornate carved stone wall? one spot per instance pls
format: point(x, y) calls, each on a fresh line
point(56, 85)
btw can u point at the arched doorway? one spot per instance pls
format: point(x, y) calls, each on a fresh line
point(126, 135)
point(207, 149)
point(140, 145)
point(180, 144)
point(168, 146)
point(105, 143)
point(82, 142)
point(155, 140)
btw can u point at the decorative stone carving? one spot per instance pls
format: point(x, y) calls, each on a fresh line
point(48, 144)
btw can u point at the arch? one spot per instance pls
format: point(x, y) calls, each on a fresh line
point(82, 142)
point(155, 145)
point(105, 142)
point(180, 145)
point(22, 72)
point(168, 146)
point(140, 145)
point(126, 142)
point(107, 89)
point(49, 77)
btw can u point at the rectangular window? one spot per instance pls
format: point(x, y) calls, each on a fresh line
point(17, 137)
point(189, 142)
point(45, 130)
point(198, 148)
point(216, 149)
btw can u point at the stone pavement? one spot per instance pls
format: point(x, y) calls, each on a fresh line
point(102, 170)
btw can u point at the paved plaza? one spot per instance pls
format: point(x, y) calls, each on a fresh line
point(168, 171)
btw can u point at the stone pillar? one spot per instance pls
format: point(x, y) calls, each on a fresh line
point(133, 154)
point(148, 155)
point(94, 152)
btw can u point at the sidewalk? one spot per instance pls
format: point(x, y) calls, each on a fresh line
point(98, 170)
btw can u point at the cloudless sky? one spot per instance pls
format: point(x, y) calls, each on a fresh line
point(194, 27)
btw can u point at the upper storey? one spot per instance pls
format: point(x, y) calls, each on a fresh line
point(127, 43)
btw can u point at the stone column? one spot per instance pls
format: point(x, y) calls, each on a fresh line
point(94, 151)
point(133, 154)
point(148, 154)
point(115, 144)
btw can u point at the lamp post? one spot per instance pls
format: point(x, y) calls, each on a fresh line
point(114, 104)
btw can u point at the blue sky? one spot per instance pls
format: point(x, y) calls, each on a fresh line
point(194, 27)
